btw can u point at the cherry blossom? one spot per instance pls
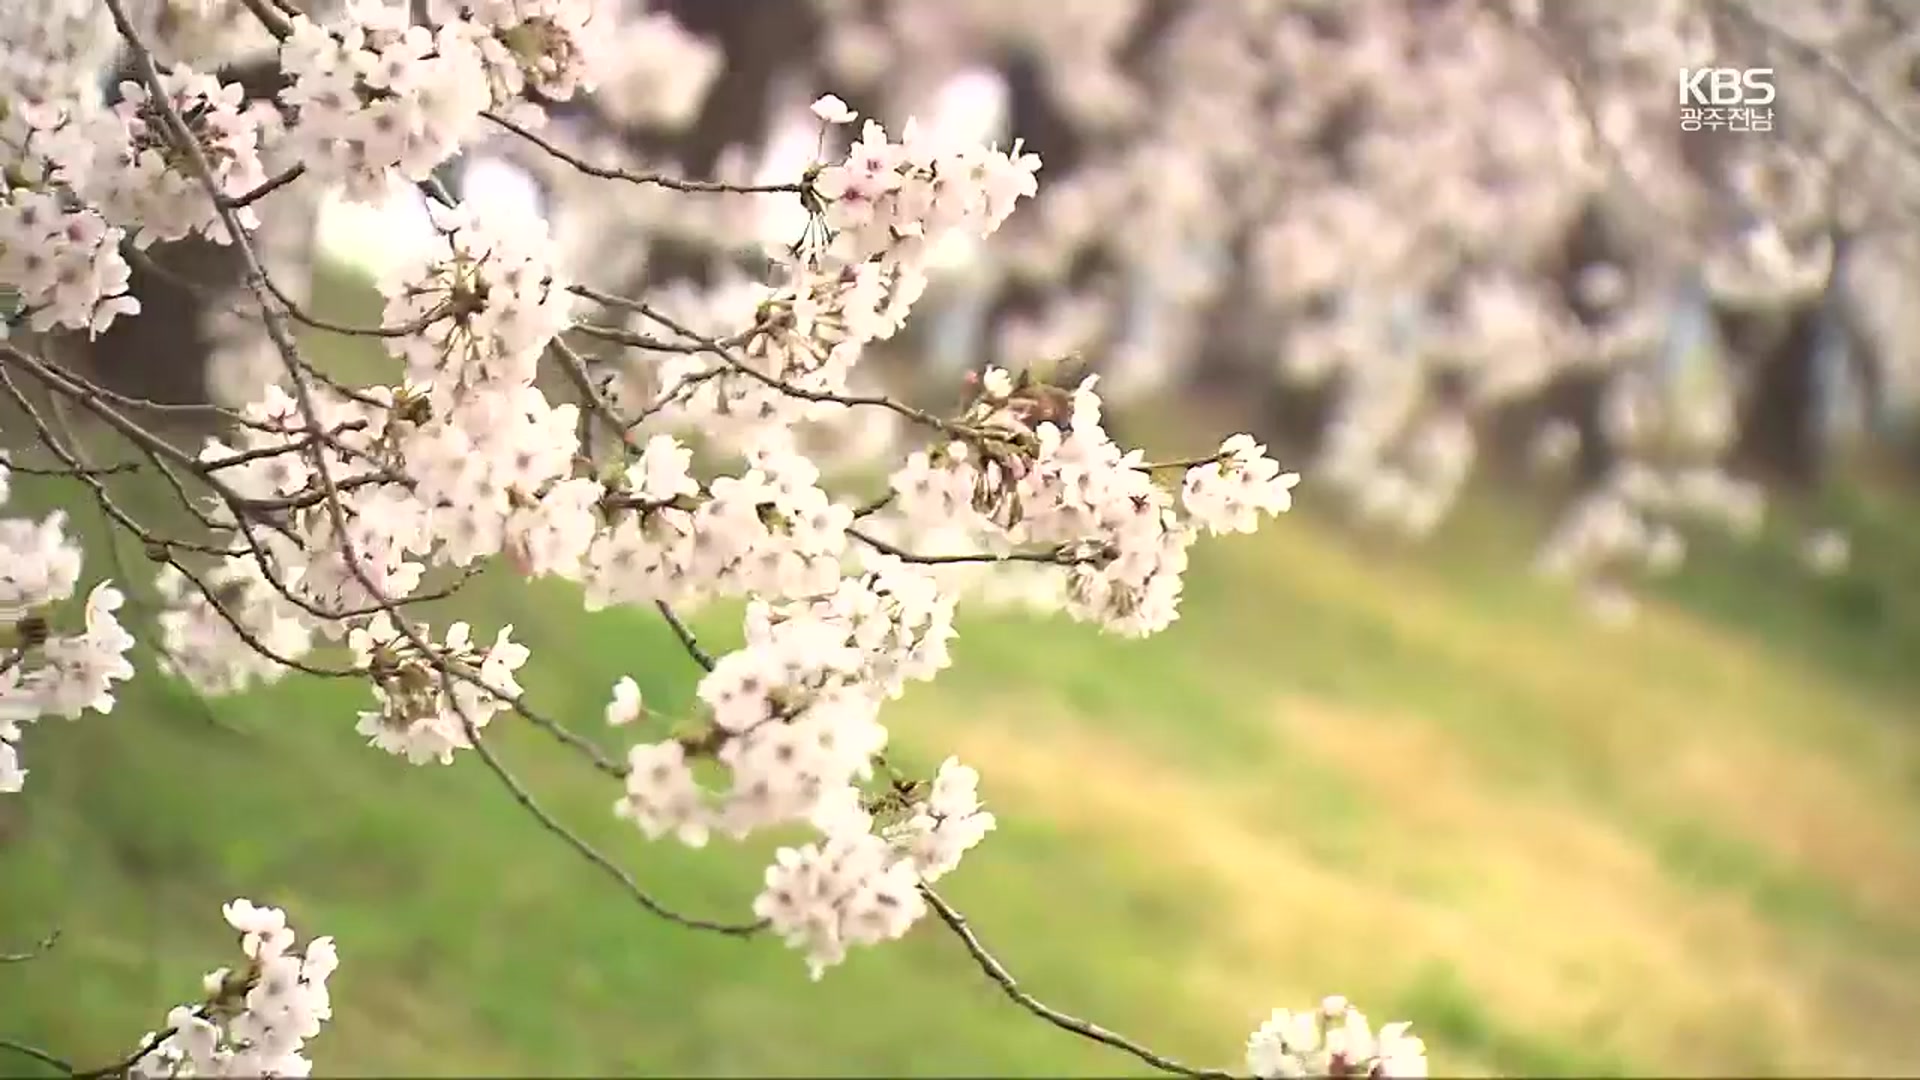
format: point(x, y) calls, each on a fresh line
point(254, 1020)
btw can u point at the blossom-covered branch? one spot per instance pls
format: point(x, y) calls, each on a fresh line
point(332, 511)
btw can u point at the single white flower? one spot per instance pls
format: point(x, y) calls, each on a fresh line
point(626, 706)
point(832, 110)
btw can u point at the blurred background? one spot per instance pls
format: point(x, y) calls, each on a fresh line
point(1573, 715)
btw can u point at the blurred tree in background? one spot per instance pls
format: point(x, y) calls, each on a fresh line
point(1426, 235)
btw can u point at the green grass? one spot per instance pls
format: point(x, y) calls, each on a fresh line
point(1420, 779)
point(1421, 782)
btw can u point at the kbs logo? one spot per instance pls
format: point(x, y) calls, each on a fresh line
point(1726, 86)
point(1733, 99)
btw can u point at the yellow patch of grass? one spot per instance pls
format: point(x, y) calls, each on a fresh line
point(1558, 924)
point(1804, 811)
point(1585, 911)
point(1764, 756)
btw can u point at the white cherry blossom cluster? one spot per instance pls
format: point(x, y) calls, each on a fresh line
point(550, 47)
point(336, 555)
point(1042, 470)
point(123, 161)
point(465, 461)
point(1232, 495)
point(203, 620)
point(1634, 518)
point(82, 178)
point(485, 299)
point(795, 724)
point(1334, 1040)
point(849, 888)
point(795, 714)
point(64, 264)
point(858, 885)
point(491, 457)
point(425, 711)
point(255, 1019)
point(55, 50)
point(888, 194)
point(44, 672)
point(944, 826)
point(771, 531)
point(491, 477)
point(815, 332)
point(374, 93)
point(882, 213)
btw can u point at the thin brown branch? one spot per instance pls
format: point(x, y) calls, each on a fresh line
point(275, 20)
point(1086, 1029)
point(603, 172)
point(576, 370)
point(237, 202)
point(620, 336)
point(721, 350)
point(687, 640)
point(42, 1056)
point(77, 470)
point(67, 470)
point(40, 947)
point(125, 1065)
point(1060, 555)
point(592, 854)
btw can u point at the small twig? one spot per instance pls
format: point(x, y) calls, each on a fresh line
point(604, 172)
point(874, 506)
point(44, 945)
point(685, 634)
point(65, 1067)
point(576, 369)
point(276, 21)
point(125, 1065)
point(631, 340)
point(721, 349)
point(68, 471)
point(587, 850)
point(1061, 555)
point(1180, 463)
point(1086, 1029)
point(237, 202)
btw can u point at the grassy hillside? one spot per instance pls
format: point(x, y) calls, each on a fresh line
point(1420, 779)
point(1430, 784)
